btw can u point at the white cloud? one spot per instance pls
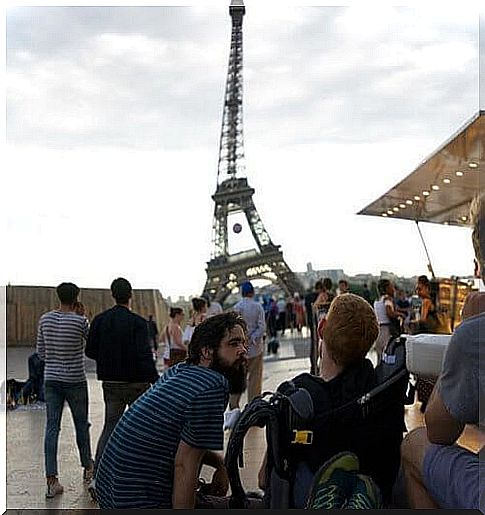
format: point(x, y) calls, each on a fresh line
point(113, 126)
point(132, 47)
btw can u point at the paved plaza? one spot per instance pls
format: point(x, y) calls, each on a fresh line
point(25, 434)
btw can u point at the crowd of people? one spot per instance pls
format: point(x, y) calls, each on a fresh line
point(159, 429)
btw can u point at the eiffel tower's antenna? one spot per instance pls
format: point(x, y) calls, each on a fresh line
point(231, 148)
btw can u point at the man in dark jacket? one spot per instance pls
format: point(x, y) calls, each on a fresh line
point(118, 342)
point(310, 298)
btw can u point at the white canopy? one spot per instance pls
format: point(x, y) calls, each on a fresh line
point(441, 188)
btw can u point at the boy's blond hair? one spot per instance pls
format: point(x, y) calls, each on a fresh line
point(351, 329)
point(477, 217)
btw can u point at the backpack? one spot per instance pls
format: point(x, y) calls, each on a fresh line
point(279, 413)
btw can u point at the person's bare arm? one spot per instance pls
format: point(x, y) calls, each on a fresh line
point(442, 428)
point(425, 307)
point(320, 301)
point(262, 472)
point(187, 333)
point(390, 311)
point(186, 471)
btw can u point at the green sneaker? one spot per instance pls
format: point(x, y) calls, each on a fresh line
point(329, 496)
point(333, 482)
point(366, 494)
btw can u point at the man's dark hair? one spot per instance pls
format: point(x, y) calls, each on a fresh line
point(210, 333)
point(382, 286)
point(247, 289)
point(121, 290)
point(198, 303)
point(319, 285)
point(207, 298)
point(344, 281)
point(327, 283)
point(175, 311)
point(67, 293)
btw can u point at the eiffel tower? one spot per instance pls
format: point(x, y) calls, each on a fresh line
point(234, 195)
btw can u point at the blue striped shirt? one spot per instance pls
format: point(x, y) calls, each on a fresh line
point(136, 470)
point(61, 337)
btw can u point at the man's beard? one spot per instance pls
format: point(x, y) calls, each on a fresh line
point(235, 374)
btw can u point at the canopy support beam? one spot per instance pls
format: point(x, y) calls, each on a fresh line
point(430, 266)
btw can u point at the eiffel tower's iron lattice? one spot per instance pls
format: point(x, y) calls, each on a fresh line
point(234, 195)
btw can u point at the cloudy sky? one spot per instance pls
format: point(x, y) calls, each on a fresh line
point(114, 118)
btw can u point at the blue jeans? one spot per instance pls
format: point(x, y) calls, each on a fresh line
point(76, 395)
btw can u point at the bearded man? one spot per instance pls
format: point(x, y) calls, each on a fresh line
point(154, 455)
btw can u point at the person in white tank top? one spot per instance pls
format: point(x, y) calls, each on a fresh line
point(386, 314)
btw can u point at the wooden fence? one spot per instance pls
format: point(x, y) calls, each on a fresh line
point(25, 304)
